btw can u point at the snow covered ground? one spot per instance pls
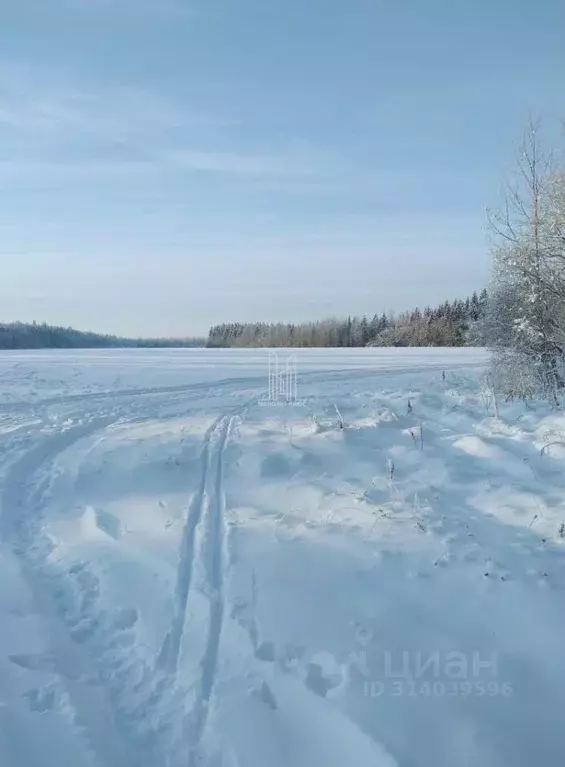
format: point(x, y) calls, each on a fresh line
point(193, 574)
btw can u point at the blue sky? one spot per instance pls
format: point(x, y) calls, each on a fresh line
point(169, 164)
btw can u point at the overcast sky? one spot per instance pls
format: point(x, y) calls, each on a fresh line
point(169, 164)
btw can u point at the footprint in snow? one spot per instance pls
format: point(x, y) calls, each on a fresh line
point(363, 635)
point(266, 652)
point(41, 700)
point(33, 662)
point(267, 696)
point(126, 618)
point(323, 674)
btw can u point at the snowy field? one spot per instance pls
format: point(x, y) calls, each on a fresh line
point(195, 575)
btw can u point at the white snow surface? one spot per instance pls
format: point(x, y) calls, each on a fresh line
point(192, 577)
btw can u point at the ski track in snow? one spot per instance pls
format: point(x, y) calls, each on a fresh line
point(23, 489)
point(169, 655)
point(215, 506)
point(240, 649)
point(25, 484)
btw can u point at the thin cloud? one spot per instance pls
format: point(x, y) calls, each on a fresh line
point(239, 164)
point(131, 6)
point(57, 127)
point(37, 107)
point(39, 173)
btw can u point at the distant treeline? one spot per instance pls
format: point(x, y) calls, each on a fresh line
point(455, 323)
point(20, 335)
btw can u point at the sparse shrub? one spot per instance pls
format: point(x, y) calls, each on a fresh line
point(340, 423)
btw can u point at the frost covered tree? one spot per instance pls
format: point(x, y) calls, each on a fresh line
point(450, 324)
point(525, 324)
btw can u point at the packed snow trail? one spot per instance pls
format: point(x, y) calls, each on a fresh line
point(191, 574)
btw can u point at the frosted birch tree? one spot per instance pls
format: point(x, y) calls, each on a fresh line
point(525, 325)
